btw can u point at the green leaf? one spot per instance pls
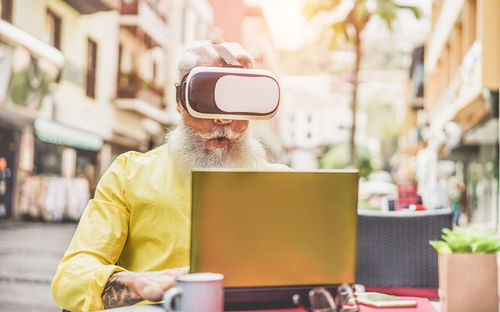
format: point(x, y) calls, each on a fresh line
point(313, 7)
point(361, 14)
point(468, 240)
point(487, 245)
point(415, 10)
point(386, 10)
point(440, 247)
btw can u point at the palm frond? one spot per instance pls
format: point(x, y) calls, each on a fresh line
point(415, 10)
point(361, 15)
point(357, 17)
point(333, 34)
point(312, 7)
point(386, 10)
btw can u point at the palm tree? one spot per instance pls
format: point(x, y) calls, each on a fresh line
point(351, 28)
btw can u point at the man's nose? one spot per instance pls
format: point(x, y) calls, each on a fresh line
point(222, 121)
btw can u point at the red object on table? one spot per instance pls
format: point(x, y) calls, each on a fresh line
point(423, 305)
point(407, 195)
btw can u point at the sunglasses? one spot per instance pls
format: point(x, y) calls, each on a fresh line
point(321, 300)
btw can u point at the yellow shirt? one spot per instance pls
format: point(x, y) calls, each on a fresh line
point(139, 220)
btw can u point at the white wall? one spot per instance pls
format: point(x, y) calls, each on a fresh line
point(312, 114)
point(73, 107)
point(188, 20)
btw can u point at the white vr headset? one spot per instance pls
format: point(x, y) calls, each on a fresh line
point(229, 92)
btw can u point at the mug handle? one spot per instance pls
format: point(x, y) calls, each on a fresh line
point(169, 297)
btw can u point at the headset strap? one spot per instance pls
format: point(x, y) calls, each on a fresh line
point(180, 91)
point(227, 56)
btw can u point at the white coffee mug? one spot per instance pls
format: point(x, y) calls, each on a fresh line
point(196, 292)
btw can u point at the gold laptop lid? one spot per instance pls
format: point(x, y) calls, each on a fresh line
point(275, 228)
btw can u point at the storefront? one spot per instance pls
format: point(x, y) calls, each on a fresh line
point(64, 173)
point(9, 138)
point(28, 68)
point(52, 149)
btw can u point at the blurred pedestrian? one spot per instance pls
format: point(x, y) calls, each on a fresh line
point(457, 191)
point(464, 207)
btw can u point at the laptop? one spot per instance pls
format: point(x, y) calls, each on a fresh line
point(274, 234)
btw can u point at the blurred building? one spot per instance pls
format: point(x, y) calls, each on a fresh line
point(152, 35)
point(29, 67)
point(236, 21)
point(141, 75)
point(410, 140)
point(189, 20)
point(82, 82)
point(59, 115)
point(452, 129)
point(313, 116)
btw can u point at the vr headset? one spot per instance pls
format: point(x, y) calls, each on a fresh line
point(229, 92)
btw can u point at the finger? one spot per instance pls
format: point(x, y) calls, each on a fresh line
point(176, 271)
point(152, 292)
point(167, 284)
point(183, 270)
point(156, 287)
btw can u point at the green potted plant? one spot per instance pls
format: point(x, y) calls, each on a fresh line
point(467, 264)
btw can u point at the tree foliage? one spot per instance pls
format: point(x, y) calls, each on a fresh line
point(357, 16)
point(337, 157)
point(350, 28)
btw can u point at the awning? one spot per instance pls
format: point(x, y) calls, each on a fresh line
point(145, 109)
point(93, 6)
point(17, 115)
point(52, 132)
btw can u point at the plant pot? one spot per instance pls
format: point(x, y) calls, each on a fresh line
point(468, 282)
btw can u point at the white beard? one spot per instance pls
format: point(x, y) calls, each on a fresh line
point(187, 147)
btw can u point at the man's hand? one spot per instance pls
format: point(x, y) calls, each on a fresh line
point(127, 288)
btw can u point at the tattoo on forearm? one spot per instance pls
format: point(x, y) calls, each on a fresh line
point(116, 293)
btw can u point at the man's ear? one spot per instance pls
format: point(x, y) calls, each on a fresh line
point(179, 106)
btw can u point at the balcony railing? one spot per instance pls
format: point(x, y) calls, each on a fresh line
point(131, 86)
point(93, 6)
point(144, 18)
point(131, 7)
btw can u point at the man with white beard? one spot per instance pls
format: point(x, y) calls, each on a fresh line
point(133, 237)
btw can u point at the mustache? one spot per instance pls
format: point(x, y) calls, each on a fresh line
point(220, 131)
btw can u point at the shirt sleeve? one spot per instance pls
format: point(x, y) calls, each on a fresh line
point(96, 245)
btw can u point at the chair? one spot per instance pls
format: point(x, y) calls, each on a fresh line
point(394, 252)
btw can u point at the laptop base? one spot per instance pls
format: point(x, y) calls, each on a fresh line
point(257, 298)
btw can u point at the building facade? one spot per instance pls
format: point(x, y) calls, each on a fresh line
point(314, 115)
point(52, 78)
point(236, 21)
point(452, 129)
point(81, 83)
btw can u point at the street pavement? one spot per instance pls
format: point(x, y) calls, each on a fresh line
point(29, 254)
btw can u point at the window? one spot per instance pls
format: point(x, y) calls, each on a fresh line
point(155, 73)
point(47, 158)
point(120, 60)
point(91, 67)
point(53, 29)
point(6, 9)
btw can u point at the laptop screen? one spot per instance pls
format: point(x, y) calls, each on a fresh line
point(264, 229)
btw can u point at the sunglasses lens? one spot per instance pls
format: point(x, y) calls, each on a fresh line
point(321, 300)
